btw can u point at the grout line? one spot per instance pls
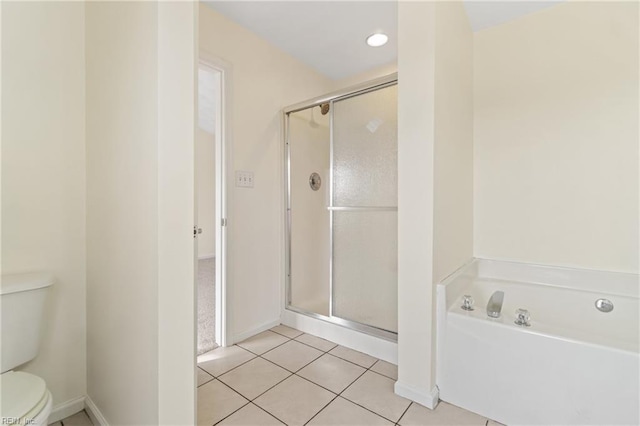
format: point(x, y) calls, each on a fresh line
point(310, 362)
point(290, 374)
point(369, 410)
point(349, 385)
point(312, 417)
point(318, 349)
point(405, 412)
point(339, 394)
point(232, 413)
point(211, 377)
point(351, 362)
point(234, 390)
point(208, 381)
point(314, 383)
point(327, 352)
point(387, 377)
point(269, 350)
point(374, 363)
point(359, 405)
point(259, 407)
point(239, 365)
point(288, 337)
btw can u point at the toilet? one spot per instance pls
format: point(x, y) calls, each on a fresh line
point(25, 399)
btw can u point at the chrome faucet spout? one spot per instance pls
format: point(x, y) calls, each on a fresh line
point(494, 307)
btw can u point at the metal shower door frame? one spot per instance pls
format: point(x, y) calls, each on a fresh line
point(353, 91)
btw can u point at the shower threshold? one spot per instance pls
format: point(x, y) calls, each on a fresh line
point(378, 343)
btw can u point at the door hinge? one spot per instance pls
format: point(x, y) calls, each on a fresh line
point(223, 222)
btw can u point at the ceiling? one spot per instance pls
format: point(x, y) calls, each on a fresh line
point(485, 14)
point(329, 36)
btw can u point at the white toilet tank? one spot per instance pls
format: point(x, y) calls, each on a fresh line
point(22, 301)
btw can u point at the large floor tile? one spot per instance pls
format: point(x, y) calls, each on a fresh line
point(221, 360)
point(316, 342)
point(292, 355)
point(251, 415)
point(345, 413)
point(289, 332)
point(295, 400)
point(216, 401)
point(444, 415)
point(386, 369)
point(254, 377)
point(356, 357)
point(78, 419)
point(203, 377)
point(375, 392)
point(263, 342)
point(331, 372)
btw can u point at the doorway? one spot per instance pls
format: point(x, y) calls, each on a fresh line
point(210, 196)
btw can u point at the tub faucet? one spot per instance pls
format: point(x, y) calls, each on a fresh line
point(494, 307)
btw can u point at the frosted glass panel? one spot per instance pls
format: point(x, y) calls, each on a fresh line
point(365, 268)
point(310, 231)
point(365, 151)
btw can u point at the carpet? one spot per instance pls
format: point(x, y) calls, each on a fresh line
point(206, 305)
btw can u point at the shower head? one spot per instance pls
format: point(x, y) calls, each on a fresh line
point(324, 109)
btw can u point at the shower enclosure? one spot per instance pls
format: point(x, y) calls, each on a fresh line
point(341, 207)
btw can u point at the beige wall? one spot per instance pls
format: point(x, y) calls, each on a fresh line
point(43, 176)
point(122, 210)
point(256, 225)
point(362, 77)
point(416, 111)
point(556, 137)
point(140, 111)
point(177, 65)
point(453, 151)
point(434, 180)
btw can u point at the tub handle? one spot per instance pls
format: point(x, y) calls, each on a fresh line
point(467, 303)
point(522, 318)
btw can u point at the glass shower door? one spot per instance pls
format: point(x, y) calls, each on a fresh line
point(363, 209)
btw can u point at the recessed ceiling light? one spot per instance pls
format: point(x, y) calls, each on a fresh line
point(377, 39)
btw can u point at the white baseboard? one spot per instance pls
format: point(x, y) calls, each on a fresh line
point(250, 333)
point(428, 399)
point(66, 409)
point(94, 413)
point(207, 256)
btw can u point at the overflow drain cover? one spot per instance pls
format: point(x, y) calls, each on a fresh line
point(604, 305)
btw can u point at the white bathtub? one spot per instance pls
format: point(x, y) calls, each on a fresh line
point(574, 365)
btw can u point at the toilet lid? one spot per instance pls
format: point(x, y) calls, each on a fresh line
point(20, 393)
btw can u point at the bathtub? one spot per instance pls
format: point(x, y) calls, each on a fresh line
point(574, 365)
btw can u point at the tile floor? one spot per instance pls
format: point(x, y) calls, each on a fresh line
point(78, 419)
point(283, 376)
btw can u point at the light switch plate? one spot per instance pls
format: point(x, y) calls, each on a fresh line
point(244, 179)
